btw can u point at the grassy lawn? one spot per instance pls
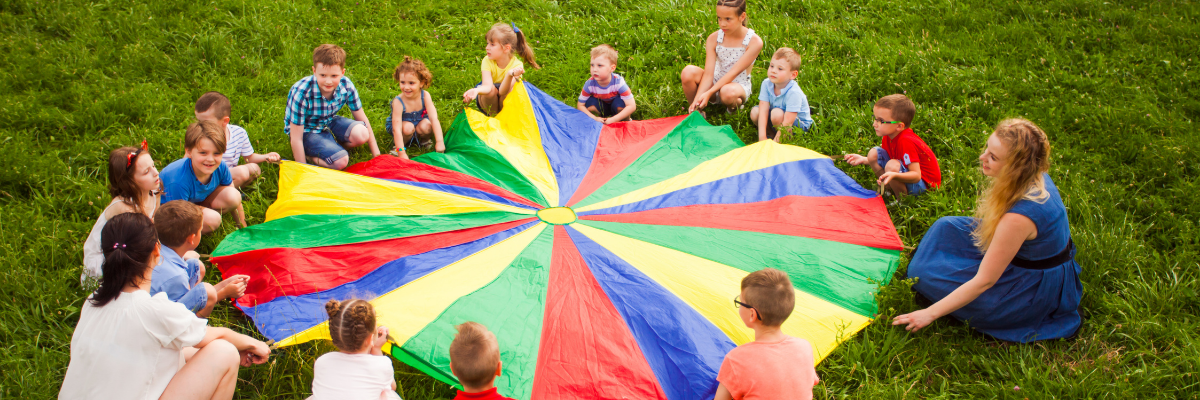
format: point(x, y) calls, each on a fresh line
point(1113, 83)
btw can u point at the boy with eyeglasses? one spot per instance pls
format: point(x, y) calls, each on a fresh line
point(903, 162)
point(774, 365)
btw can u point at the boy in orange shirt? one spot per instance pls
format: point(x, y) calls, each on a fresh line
point(774, 365)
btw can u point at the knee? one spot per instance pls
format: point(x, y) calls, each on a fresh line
point(892, 166)
point(341, 163)
point(212, 220)
point(253, 171)
point(407, 128)
point(359, 135)
point(873, 156)
point(212, 293)
point(754, 114)
point(690, 74)
point(224, 352)
point(776, 116)
point(731, 94)
point(425, 127)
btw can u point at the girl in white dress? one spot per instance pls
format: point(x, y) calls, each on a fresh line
point(130, 345)
point(358, 370)
point(134, 186)
point(729, 54)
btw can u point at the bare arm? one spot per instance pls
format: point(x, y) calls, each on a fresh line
point(723, 393)
point(579, 106)
point(439, 142)
point(764, 118)
point(912, 176)
point(397, 126)
point(252, 350)
point(359, 115)
point(1013, 230)
point(706, 82)
point(485, 87)
point(296, 137)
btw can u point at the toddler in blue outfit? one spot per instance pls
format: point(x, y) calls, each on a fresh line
point(180, 274)
point(781, 103)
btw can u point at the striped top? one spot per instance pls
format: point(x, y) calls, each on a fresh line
point(237, 144)
point(616, 87)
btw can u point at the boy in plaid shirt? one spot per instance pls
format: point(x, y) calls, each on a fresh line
point(318, 134)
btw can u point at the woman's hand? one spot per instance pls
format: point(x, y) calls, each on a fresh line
point(256, 354)
point(915, 320)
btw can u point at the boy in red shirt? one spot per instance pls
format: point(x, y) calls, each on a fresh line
point(903, 162)
point(475, 361)
point(774, 365)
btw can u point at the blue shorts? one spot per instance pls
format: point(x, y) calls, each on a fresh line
point(605, 109)
point(913, 188)
point(327, 145)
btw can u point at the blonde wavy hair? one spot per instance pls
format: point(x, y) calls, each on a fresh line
point(1020, 177)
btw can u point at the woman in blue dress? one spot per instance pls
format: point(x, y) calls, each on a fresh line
point(1010, 270)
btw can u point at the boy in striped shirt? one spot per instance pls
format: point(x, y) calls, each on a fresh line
point(605, 97)
point(215, 107)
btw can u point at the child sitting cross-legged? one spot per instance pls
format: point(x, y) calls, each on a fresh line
point(358, 370)
point(774, 365)
point(180, 274)
point(781, 103)
point(606, 97)
point(475, 361)
point(200, 177)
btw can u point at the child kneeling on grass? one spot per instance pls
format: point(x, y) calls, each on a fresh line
point(131, 345)
point(780, 101)
point(903, 162)
point(475, 361)
point(774, 365)
point(417, 126)
point(181, 273)
point(200, 177)
point(134, 186)
point(605, 96)
point(317, 134)
point(358, 370)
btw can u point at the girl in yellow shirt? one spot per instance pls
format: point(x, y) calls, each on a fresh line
point(500, 69)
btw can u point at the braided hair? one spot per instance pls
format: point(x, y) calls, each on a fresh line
point(351, 322)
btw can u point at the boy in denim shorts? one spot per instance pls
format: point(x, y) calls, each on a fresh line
point(318, 135)
point(903, 162)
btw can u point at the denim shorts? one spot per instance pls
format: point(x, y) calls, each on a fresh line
point(327, 145)
point(913, 188)
point(605, 109)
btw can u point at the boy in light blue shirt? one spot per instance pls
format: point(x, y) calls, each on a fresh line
point(180, 273)
point(781, 103)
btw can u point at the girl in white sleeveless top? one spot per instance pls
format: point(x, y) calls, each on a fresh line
point(729, 54)
point(134, 185)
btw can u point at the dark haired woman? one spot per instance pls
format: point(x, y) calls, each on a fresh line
point(130, 345)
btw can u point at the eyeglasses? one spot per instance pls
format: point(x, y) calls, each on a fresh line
point(881, 121)
point(737, 304)
point(134, 155)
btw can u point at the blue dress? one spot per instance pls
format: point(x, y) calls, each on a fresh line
point(1025, 304)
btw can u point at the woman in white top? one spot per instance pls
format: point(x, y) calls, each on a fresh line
point(134, 186)
point(130, 345)
point(725, 77)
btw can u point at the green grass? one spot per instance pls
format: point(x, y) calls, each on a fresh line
point(1113, 83)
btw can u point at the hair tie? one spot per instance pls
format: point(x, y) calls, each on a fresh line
point(116, 245)
point(515, 28)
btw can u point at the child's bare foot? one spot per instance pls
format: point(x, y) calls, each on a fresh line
point(234, 286)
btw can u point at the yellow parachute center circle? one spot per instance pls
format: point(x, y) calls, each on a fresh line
point(557, 215)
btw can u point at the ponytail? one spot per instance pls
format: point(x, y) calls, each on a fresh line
point(524, 50)
point(128, 241)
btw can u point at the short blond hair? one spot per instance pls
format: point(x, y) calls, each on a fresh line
point(769, 291)
point(605, 51)
point(475, 355)
point(789, 55)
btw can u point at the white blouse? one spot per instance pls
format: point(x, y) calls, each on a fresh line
point(130, 348)
point(338, 375)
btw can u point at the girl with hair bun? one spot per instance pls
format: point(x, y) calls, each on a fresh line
point(358, 370)
point(1010, 271)
point(134, 186)
point(131, 345)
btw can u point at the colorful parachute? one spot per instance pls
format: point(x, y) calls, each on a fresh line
point(605, 258)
